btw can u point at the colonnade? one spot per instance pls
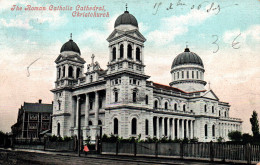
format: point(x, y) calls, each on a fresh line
point(225, 128)
point(95, 107)
point(174, 128)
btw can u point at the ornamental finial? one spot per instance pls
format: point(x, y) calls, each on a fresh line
point(70, 36)
point(126, 7)
point(93, 56)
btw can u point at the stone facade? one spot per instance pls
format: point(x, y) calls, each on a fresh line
point(120, 100)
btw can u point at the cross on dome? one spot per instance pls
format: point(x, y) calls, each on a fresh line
point(93, 56)
point(70, 36)
point(126, 7)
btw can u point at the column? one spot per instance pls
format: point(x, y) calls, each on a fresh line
point(163, 131)
point(173, 128)
point(117, 52)
point(77, 112)
point(178, 128)
point(157, 127)
point(125, 49)
point(191, 129)
point(134, 52)
point(142, 54)
point(110, 53)
point(168, 127)
point(61, 72)
point(96, 109)
point(188, 129)
point(66, 70)
point(87, 110)
point(182, 131)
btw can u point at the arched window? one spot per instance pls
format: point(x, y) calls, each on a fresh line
point(63, 71)
point(219, 113)
point(166, 105)
point(212, 109)
point(115, 126)
point(70, 71)
point(138, 57)
point(146, 127)
point(78, 73)
point(175, 106)
point(184, 108)
point(225, 114)
point(90, 104)
point(114, 54)
point(134, 124)
point(213, 131)
point(59, 104)
point(121, 51)
point(99, 122)
point(116, 96)
point(155, 104)
point(129, 51)
point(58, 129)
point(205, 108)
point(134, 97)
point(91, 78)
point(206, 130)
point(90, 123)
point(146, 99)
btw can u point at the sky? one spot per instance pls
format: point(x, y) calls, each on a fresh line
point(225, 34)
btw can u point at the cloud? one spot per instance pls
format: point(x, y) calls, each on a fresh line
point(26, 20)
point(24, 24)
point(177, 25)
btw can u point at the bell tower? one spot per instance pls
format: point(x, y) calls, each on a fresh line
point(70, 67)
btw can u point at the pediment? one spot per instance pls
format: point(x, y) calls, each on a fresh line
point(75, 58)
point(116, 34)
point(211, 95)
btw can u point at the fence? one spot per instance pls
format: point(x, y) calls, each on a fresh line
point(42, 144)
point(207, 151)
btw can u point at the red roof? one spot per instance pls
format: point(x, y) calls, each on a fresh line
point(167, 87)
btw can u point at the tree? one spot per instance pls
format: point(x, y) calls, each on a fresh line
point(254, 123)
point(247, 138)
point(235, 136)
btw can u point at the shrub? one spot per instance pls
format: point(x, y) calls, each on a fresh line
point(220, 139)
point(235, 136)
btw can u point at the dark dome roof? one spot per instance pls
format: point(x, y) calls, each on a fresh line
point(125, 19)
point(70, 46)
point(187, 57)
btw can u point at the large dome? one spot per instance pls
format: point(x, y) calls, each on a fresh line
point(126, 19)
point(70, 46)
point(187, 57)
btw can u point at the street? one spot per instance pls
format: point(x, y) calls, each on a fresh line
point(23, 157)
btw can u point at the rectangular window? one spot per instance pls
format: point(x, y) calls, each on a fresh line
point(188, 74)
point(182, 74)
point(178, 75)
point(197, 75)
point(192, 74)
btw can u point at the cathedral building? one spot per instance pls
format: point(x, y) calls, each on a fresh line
point(120, 100)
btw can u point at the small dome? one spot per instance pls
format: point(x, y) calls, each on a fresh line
point(126, 19)
point(70, 46)
point(187, 57)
